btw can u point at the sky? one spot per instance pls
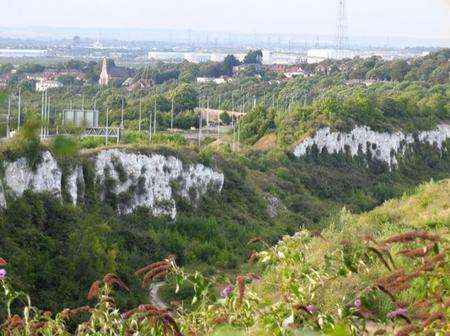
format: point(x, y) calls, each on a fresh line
point(405, 18)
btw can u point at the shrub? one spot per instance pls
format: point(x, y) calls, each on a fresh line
point(92, 142)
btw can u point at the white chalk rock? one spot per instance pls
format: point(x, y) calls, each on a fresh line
point(2, 196)
point(147, 180)
point(152, 180)
point(386, 147)
point(73, 181)
point(45, 178)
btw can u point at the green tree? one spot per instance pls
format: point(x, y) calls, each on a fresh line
point(228, 63)
point(253, 57)
point(188, 72)
point(225, 118)
point(256, 123)
point(162, 103)
point(185, 97)
point(399, 69)
point(6, 68)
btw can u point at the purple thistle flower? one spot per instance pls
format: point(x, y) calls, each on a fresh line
point(311, 308)
point(2, 274)
point(399, 312)
point(357, 303)
point(225, 292)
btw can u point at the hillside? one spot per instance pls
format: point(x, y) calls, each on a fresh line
point(381, 272)
point(266, 194)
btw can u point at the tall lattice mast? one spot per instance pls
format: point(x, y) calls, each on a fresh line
point(342, 40)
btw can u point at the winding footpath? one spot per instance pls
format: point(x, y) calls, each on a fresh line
point(154, 297)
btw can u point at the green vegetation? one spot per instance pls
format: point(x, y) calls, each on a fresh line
point(55, 250)
point(381, 271)
point(390, 278)
point(384, 107)
point(410, 94)
point(39, 234)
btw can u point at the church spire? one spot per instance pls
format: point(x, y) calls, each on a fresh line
point(104, 76)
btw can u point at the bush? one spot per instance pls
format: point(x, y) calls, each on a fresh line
point(92, 142)
point(64, 148)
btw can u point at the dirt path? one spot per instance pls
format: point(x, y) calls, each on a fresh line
point(154, 298)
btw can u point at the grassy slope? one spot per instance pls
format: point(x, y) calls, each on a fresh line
point(332, 270)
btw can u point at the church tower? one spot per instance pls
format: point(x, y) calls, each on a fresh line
point(104, 76)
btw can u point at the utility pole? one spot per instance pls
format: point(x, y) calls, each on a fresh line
point(121, 116)
point(96, 112)
point(42, 116)
point(48, 117)
point(8, 117)
point(154, 119)
point(232, 101)
point(140, 112)
point(207, 111)
point(171, 116)
point(150, 127)
point(45, 113)
point(234, 133)
point(218, 132)
point(18, 110)
point(200, 129)
point(107, 126)
point(238, 135)
point(218, 121)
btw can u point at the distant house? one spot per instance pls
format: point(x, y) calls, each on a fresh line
point(77, 74)
point(111, 73)
point(322, 69)
point(296, 71)
point(51, 75)
point(141, 84)
point(279, 68)
point(44, 85)
point(366, 82)
point(290, 71)
point(252, 67)
point(220, 80)
point(4, 80)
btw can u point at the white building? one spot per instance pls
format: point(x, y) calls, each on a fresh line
point(219, 80)
point(193, 57)
point(23, 53)
point(278, 57)
point(166, 56)
point(319, 55)
point(44, 85)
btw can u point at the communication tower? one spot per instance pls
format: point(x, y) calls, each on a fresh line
point(342, 40)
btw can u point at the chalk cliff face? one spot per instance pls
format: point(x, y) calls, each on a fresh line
point(147, 180)
point(386, 147)
point(2, 196)
point(152, 180)
point(75, 184)
point(45, 178)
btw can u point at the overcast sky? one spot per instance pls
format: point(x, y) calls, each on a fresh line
point(407, 18)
